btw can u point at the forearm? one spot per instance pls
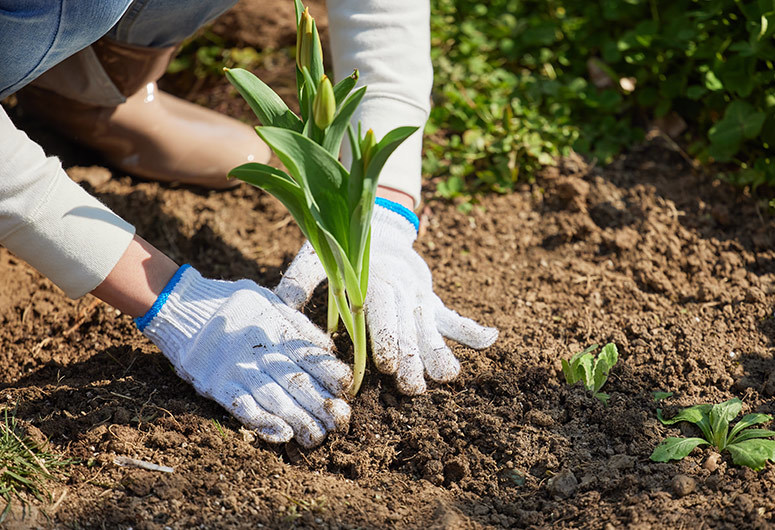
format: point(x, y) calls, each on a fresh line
point(389, 43)
point(138, 278)
point(51, 222)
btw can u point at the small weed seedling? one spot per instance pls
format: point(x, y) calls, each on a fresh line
point(331, 204)
point(749, 447)
point(24, 466)
point(592, 372)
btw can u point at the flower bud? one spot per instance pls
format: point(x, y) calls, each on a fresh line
point(368, 146)
point(304, 40)
point(324, 105)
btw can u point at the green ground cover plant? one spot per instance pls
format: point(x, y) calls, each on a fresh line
point(518, 82)
point(748, 447)
point(331, 204)
point(24, 465)
point(590, 370)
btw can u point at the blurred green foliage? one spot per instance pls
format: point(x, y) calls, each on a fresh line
point(518, 82)
point(206, 54)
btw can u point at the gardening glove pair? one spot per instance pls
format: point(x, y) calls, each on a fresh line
point(239, 344)
point(406, 320)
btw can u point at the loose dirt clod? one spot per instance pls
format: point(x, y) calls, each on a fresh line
point(711, 463)
point(683, 485)
point(563, 484)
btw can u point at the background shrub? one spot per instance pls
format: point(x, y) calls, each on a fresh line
point(521, 81)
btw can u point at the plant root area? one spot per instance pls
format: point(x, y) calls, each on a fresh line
point(675, 268)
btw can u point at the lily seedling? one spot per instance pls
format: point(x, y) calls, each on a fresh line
point(331, 204)
point(748, 447)
point(591, 371)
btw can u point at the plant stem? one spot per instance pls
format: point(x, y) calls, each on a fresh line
point(358, 335)
point(333, 312)
point(344, 309)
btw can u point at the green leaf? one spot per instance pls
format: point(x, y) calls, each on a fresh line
point(659, 395)
point(351, 281)
point(752, 453)
point(570, 375)
point(361, 193)
point(712, 82)
point(321, 176)
point(737, 74)
point(333, 138)
point(741, 121)
point(602, 396)
point(343, 88)
point(585, 371)
point(675, 448)
point(747, 421)
point(574, 360)
point(749, 434)
point(720, 415)
point(316, 66)
point(298, 7)
point(269, 108)
point(606, 359)
point(364, 268)
point(281, 186)
point(698, 414)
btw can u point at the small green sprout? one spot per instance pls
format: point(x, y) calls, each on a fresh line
point(219, 428)
point(592, 372)
point(748, 447)
point(659, 395)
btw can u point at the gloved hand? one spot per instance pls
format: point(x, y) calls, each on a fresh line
point(406, 320)
point(240, 345)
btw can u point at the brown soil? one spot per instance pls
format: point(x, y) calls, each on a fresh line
point(675, 268)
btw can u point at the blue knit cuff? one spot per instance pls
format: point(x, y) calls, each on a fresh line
point(144, 320)
point(403, 211)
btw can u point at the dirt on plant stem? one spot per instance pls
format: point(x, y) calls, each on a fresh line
point(674, 267)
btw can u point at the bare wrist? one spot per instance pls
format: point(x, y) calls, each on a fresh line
point(137, 279)
point(391, 194)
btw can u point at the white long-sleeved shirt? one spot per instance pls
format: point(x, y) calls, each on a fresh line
point(69, 236)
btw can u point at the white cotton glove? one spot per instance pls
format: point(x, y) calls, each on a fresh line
point(239, 344)
point(406, 320)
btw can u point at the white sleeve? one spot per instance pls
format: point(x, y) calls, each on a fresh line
point(51, 222)
point(388, 41)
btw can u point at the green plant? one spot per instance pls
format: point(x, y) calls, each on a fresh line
point(748, 447)
point(591, 371)
point(331, 205)
point(518, 82)
point(24, 465)
point(220, 429)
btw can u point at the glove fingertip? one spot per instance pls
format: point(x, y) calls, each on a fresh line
point(443, 372)
point(340, 412)
point(309, 439)
point(410, 384)
point(483, 338)
point(268, 427)
point(274, 435)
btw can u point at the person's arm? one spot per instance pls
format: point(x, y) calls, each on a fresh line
point(51, 222)
point(389, 44)
point(138, 278)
